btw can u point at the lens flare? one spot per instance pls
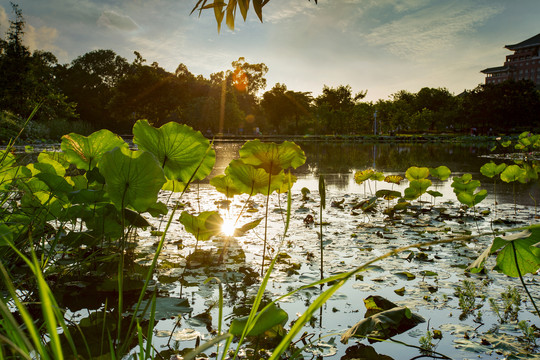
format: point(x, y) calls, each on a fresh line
point(228, 227)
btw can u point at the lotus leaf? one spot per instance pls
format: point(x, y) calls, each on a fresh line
point(241, 231)
point(491, 169)
point(512, 173)
point(377, 176)
point(465, 184)
point(272, 157)
point(132, 178)
point(225, 185)
point(416, 188)
point(203, 226)
point(442, 172)
point(180, 150)
point(174, 186)
point(271, 317)
point(251, 180)
point(86, 151)
point(394, 179)
point(417, 173)
point(384, 324)
point(287, 182)
point(527, 254)
point(388, 194)
point(471, 199)
point(7, 159)
point(361, 176)
point(434, 193)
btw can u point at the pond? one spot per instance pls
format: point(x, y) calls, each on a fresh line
point(430, 280)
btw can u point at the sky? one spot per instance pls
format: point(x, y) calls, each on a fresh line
point(382, 46)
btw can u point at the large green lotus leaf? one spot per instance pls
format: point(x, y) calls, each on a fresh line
point(57, 184)
point(225, 185)
point(10, 174)
point(271, 317)
point(416, 173)
point(180, 150)
point(471, 199)
point(416, 188)
point(8, 159)
point(251, 180)
point(527, 254)
point(272, 157)
point(512, 173)
point(45, 158)
point(465, 184)
point(361, 176)
point(132, 178)
point(529, 173)
point(86, 151)
point(203, 226)
point(491, 169)
point(442, 172)
point(384, 324)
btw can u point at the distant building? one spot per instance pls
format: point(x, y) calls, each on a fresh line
point(523, 64)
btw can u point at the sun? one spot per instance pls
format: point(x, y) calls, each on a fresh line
point(228, 227)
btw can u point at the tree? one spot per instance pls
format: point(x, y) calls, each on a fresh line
point(90, 81)
point(335, 108)
point(27, 78)
point(511, 106)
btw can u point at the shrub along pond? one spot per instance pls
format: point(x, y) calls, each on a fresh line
point(264, 250)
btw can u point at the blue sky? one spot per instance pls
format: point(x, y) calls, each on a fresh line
point(381, 46)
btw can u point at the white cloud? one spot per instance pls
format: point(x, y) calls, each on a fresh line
point(113, 20)
point(42, 38)
point(430, 29)
point(4, 21)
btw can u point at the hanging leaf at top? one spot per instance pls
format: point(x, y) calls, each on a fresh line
point(203, 226)
point(86, 151)
point(180, 150)
point(272, 157)
point(417, 173)
point(442, 172)
point(132, 178)
point(251, 180)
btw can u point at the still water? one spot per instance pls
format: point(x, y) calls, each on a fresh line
point(350, 238)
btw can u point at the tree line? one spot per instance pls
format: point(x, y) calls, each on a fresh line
point(101, 89)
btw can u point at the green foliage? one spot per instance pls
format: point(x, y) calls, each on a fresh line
point(417, 173)
point(267, 321)
point(178, 149)
point(203, 226)
point(442, 172)
point(132, 178)
point(85, 152)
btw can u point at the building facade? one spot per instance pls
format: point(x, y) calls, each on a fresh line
point(523, 64)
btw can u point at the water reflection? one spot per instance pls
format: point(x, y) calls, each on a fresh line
point(338, 161)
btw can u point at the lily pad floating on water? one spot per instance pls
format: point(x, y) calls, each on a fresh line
point(268, 320)
point(384, 324)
